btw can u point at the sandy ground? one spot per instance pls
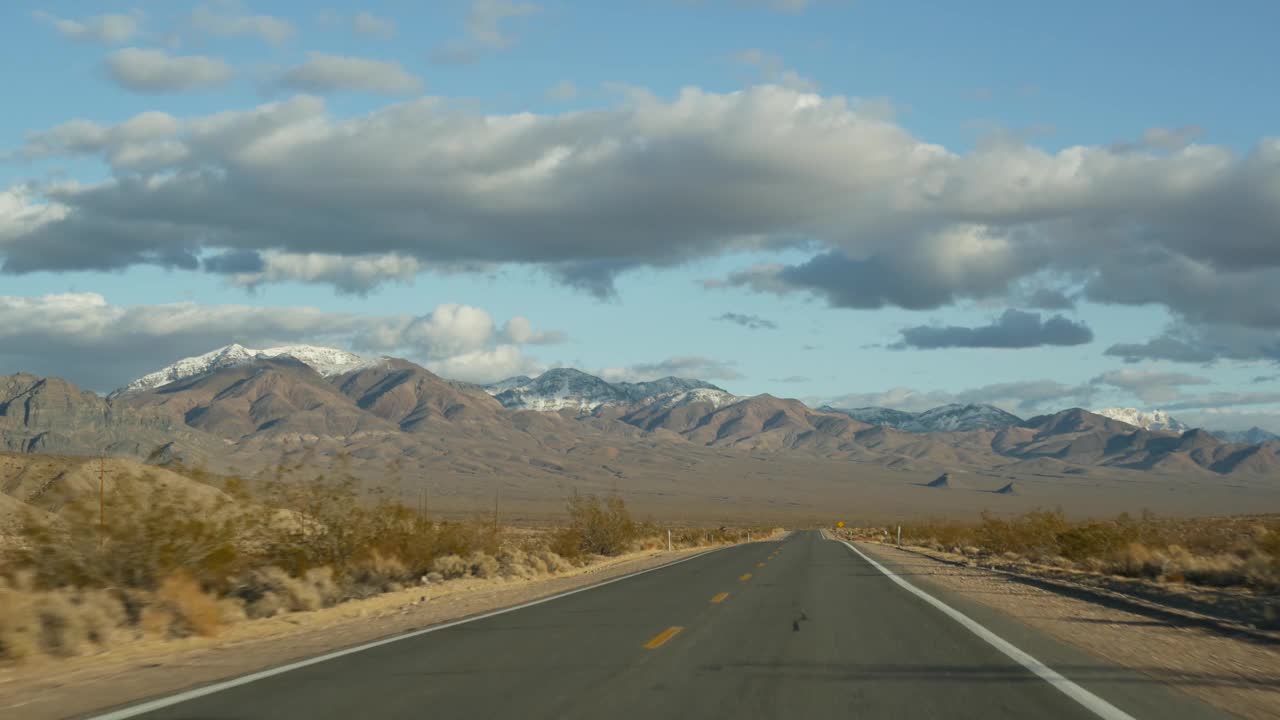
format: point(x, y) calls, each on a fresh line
point(60, 688)
point(1237, 675)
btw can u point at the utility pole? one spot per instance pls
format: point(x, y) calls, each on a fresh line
point(497, 493)
point(102, 503)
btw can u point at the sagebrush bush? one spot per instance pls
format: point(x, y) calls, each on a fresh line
point(1215, 552)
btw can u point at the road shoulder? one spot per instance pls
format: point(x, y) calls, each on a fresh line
point(1234, 674)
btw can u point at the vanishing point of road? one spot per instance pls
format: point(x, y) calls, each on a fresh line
point(804, 627)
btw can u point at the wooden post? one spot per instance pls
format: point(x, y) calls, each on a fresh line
point(668, 541)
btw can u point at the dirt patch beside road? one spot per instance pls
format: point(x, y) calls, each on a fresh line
point(1237, 675)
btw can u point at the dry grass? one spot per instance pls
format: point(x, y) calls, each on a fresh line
point(172, 563)
point(1241, 551)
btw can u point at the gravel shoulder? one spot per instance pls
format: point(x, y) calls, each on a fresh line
point(1238, 674)
point(79, 686)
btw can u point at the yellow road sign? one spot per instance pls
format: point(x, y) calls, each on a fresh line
point(840, 524)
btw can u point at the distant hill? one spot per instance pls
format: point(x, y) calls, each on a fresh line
point(945, 418)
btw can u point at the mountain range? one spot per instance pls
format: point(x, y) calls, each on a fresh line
point(258, 411)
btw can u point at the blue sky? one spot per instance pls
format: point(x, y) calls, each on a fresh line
point(833, 174)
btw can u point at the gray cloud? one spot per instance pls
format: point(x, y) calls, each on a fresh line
point(155, 71)
point(1013, 329)
point(790, 379)
point(1264, 378)
point(323, 73)
point(110, 29)
point(1202, 343)
point(651, 182)
point(754, 322)
point(1050, 299)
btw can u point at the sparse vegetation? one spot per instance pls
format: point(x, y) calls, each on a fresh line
point(171, 562)
point(1242, 551)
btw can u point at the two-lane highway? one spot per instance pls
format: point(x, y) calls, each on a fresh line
point(804, 627)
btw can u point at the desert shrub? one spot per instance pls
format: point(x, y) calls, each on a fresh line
point(151, 532)
point(596, 527)
point(189, 609)
point(450, 567)
point(1216, 552)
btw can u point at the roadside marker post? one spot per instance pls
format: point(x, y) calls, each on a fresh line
point(899, 534)
point(668, 541)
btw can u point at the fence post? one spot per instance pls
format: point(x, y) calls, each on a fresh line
point(668, 541)
point(899, 534)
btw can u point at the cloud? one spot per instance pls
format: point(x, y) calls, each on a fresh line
point(1167, 139)
point(221, 23)
point(1224, 399)
point(1231, 419)
point(1013, 329)
point(155, 71)
point(1264, 378)
point(884, 217)
point(686, 366)
point(519, 331)
point(484, 27)
point(101, 346)
point(110, 29)
point(773, 70)
point(754, 322)
point(1049, 299)
point(1021, 397)
point(371, 25)
point(348, 275)
point(561, 91)
point(1150, 386)
point(790, 379)
point(331, 73)
point(1202, 343)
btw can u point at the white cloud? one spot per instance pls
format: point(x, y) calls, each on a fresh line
point(563, 90)
point(110, 29)
point(82, 337)
point(685, 366)
point(365, 23)
point(155, 71)
point(891, 219)
point(773, 70)
point(329, 73)
point(224, 23)
point(486, 366)
point(1150, 386)
point(485, 33)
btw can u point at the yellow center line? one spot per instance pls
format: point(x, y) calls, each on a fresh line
point(720, 597)
point(745, 577)
point(663, 637)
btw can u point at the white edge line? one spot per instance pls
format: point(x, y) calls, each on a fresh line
point(170, 700)
point(1093, 703)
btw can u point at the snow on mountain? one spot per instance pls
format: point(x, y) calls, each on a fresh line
point(324, 360)
point(1145, 419)
point(945, 418)
point(1253, 436)
point(873, 415)
point(563, 388)
point(715, 396)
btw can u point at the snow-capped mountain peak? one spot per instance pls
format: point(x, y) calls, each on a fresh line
point(1145, 419)
point(562, 388)
point(324, 360)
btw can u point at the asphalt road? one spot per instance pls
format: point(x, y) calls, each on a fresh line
point(799, 628)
